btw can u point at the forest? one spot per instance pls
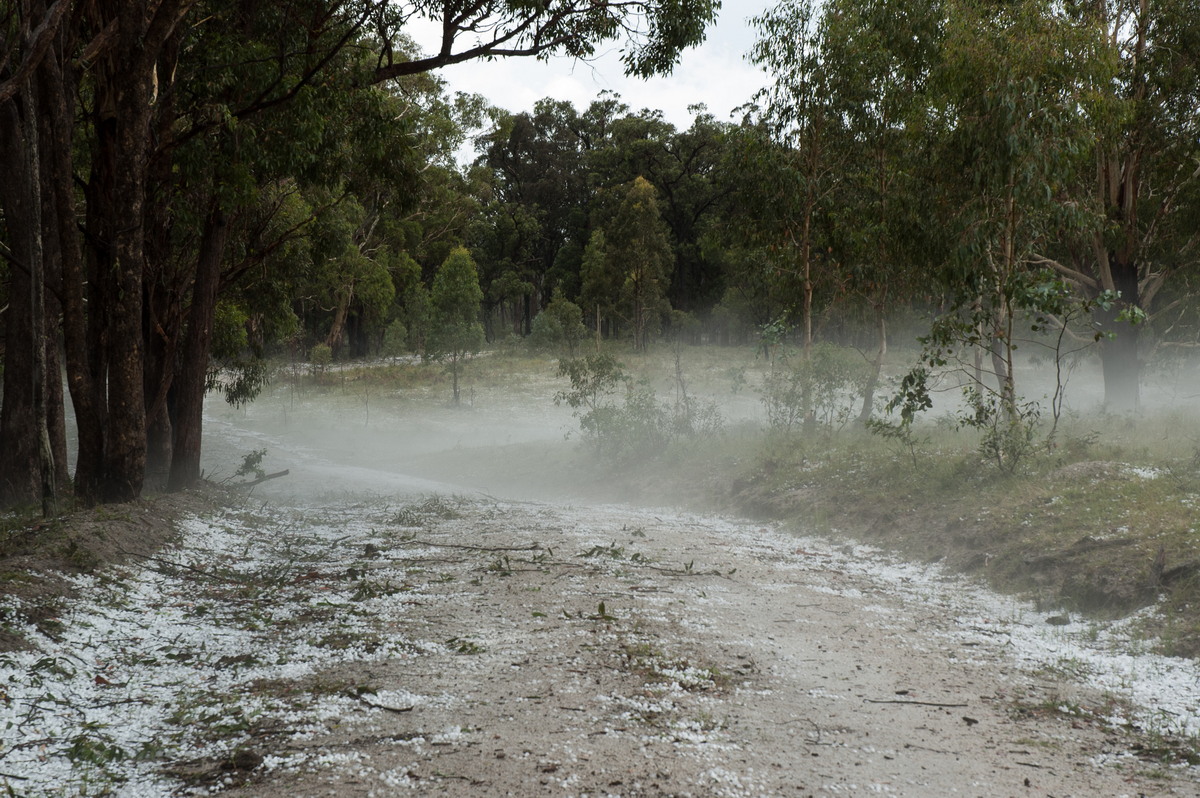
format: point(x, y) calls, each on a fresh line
point(195, 190)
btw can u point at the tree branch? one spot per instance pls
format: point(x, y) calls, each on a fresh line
point(40, 39)
point(1074, 275)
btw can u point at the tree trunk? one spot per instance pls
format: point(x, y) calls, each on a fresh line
point(52, 258)
point(193, 374)
point(868, 405)
point(1119, 355)
point(20, 468)
point(37, 309)
point(124, 100)
point(338, 327)
point(57, 87)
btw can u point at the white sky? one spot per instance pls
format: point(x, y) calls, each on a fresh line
point(715, 74)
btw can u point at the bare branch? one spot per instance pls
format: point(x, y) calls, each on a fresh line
point(1073, 275)
point(40, 39)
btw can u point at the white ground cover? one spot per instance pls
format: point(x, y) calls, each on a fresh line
point(188, 658)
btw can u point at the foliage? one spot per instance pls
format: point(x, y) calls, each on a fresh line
point(1008, 429)
point(238, 368)
point(320, 356)
point(252, 465)
point(594, 380)
point(822, 388)
point(559, 326)
point(395, 340)
point(622, 417)
point(638, 247)
point(455, 333)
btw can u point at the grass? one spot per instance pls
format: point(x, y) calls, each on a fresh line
point(1103, 529)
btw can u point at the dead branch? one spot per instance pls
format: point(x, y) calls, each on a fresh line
point(262, 479)
point(904, 701)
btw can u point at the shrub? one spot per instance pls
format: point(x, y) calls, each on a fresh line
point(824, 388)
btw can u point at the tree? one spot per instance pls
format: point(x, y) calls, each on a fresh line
point(1141, 185)
point(637, 247)
point(885, 52)
point(796, 153)
point(456, 298)
point(689, 170)
point(559, 326)
point(601, 281)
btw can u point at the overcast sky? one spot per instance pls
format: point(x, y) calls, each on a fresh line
point(715, 74)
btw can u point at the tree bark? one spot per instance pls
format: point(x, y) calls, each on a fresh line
point(125, 94)
point(19, 440)
point(57, 87)
point(37, 307)
point(868, 404)
point(188, 420)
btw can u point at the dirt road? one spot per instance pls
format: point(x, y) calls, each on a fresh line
point(606, 651)
point(602, 650)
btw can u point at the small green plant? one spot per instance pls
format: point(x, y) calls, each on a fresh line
point(461, 645)
point(1008, 428)
point(319, 357)
point(252, 465)
point(501, 566)
point(622, 417)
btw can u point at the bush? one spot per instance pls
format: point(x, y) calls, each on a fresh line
point(622, 418)
point(320, 356)
point(395, 340)
point(825, 388)
point(558, 327)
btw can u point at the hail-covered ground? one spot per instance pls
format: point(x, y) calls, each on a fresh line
point(349, 630)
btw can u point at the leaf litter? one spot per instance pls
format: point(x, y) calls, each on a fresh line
point(476, 646)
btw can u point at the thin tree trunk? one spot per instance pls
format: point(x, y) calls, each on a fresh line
point(1119, 355)
point(37, 305)
point(868, 405)
point(57, 89)
point(190, 383)
point(336, 330)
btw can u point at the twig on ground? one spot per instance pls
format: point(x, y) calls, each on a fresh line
point(384, 706)
point(417, 542)
point(903, 701)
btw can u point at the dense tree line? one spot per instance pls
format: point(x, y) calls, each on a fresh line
point(195, 184)
point(161, 155)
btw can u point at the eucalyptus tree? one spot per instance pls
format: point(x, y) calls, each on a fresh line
point(795, 151)
point(600, 286)
point(1141, 189)
point(689, 171)
point(125, 62)
point(538, 206)
point(456, 300)
point(884, 53)
point(638, 250)
point(1008, 102)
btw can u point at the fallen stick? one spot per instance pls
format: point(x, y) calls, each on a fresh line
point(416, 542)
point(918, 703)
point(262, 479)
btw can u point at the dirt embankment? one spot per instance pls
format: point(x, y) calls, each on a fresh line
point(36, 554)
point(1098, 538)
